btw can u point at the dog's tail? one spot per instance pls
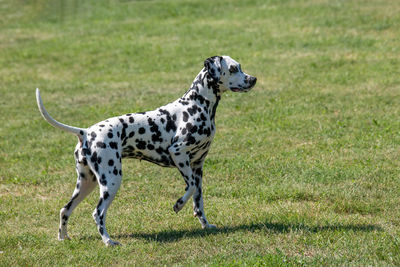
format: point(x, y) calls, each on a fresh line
point(75, 130)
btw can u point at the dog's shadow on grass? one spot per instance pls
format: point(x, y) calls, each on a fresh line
point(176, 235)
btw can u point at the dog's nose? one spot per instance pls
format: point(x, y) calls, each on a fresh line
point(253, 81)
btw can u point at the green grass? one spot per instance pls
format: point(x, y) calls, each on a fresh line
point(303, 170)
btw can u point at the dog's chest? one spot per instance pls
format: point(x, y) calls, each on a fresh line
point(149, 135)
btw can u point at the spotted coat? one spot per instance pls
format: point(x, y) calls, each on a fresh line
point(178, 135)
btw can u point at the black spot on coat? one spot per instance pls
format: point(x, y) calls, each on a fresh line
point(101, 144)
point(185, 116)
point(142, 130)
point(113, 145)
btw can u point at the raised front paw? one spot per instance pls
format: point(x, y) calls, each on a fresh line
point(178, 205)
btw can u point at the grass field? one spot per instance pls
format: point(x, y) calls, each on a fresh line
point(303, 170)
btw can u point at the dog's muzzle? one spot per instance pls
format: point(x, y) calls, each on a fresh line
point(250, 82)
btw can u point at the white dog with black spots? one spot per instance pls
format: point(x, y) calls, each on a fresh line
point(178, 134)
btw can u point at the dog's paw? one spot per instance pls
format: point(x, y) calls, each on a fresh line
point(62, 238)
point(110, 243)
point(210, 226)
point(62, 234)
point(177, 208)
point(178, 205)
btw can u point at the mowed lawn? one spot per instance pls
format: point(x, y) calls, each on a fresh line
point(304, 169)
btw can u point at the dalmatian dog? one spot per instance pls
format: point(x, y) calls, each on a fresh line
point(178, 135)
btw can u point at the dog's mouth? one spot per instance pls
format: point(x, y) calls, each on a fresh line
point(241, 89)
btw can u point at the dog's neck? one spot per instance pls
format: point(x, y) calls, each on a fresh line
point(204, 85)
point(205, 90)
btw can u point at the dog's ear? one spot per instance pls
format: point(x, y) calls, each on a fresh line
point(213, 66)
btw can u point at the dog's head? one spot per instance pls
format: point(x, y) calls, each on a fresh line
point(228, 74)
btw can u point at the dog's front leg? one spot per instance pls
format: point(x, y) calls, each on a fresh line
point(198, 206)
point(182, 162)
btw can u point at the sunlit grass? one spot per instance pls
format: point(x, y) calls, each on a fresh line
point(303, 170)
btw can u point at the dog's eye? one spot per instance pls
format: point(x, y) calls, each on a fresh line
point(233, 69)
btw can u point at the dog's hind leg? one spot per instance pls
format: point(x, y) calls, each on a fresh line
point(109, 177)
point(85, 184)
